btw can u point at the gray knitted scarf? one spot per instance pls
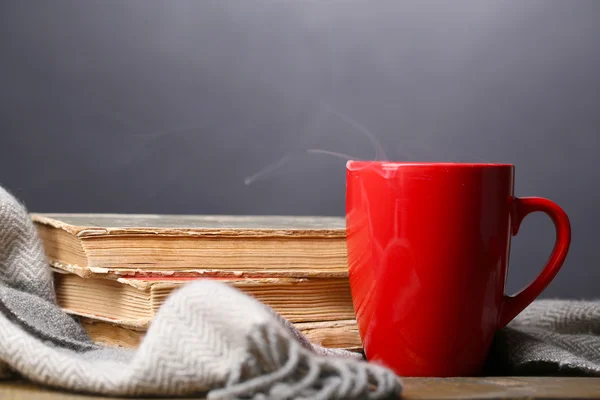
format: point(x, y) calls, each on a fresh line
point(209, 338)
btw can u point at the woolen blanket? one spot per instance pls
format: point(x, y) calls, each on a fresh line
point(550, 337)
point(211, 338)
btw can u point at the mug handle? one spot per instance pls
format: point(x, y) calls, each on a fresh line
point(521, 207)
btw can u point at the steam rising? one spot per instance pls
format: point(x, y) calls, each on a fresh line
point(270, 169)
point(379, 152)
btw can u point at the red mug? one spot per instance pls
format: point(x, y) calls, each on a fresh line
point(428, 249)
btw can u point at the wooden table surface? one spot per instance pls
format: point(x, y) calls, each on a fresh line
point(414, 388)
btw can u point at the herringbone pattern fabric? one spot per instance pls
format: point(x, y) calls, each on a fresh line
point(550, 337)
point(207, 338)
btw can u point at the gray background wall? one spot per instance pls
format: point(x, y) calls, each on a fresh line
point(167, 107)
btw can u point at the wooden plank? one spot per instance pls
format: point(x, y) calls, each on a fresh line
point(25, 391)
point(415, 388)
point(502, 388)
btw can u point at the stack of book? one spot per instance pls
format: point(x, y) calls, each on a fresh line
point(115, 271)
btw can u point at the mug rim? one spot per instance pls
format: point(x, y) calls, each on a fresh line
point(354, 164)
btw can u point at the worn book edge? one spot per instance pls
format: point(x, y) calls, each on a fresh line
point(189, 274)
point(83, 231)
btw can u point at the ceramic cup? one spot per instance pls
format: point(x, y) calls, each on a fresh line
point(428, 251)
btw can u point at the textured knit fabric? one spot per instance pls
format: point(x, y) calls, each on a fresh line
point(208, 338)
point(550, 337)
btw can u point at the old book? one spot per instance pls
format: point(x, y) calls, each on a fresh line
point(332, 334)
point(134, 302)
point(134, 245)
point(112, 334)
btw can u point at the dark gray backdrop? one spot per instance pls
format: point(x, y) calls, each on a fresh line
point(168, 106)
